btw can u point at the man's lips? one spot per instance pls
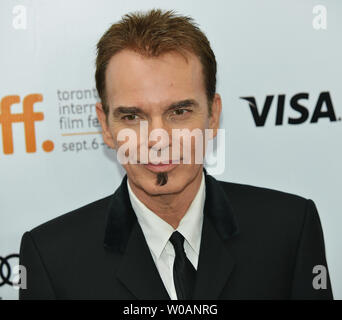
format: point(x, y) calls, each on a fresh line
point(161, 167)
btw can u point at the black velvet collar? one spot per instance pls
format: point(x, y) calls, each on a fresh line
point(121, 217)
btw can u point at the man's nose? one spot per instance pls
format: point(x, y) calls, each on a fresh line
point(160, 133)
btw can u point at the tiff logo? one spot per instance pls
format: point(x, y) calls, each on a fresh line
point(28, 117)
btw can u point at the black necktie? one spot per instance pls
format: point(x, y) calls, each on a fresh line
point(184, 273)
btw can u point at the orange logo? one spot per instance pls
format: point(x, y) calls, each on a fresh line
point(28, 117)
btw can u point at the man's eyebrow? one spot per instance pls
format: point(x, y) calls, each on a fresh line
point(137, 110)
point(182, 104)
point(126, 110)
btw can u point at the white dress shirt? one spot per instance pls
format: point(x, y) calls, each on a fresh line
point(157, 233)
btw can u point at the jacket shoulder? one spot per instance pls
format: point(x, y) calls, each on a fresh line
point(254, 205)
point(81, 221)
point(258, 192)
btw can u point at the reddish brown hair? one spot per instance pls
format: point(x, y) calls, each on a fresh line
point(152, 34)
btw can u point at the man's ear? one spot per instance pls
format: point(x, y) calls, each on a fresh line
point(216, 108)
point(106, 134)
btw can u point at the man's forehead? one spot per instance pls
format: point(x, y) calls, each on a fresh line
point(153, 85)
point(185, 56)
point(131, 77)
point(129, 66)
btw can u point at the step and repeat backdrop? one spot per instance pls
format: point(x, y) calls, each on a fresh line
point(279, 75)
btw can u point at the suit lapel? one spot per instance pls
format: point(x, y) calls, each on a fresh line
point(215, 263)
point(123, 236)
point(138, 271)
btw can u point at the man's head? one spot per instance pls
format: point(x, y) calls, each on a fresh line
point(156, 67)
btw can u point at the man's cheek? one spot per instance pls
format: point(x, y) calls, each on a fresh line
point(127, 151)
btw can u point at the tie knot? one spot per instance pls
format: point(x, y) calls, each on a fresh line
point(177, 241)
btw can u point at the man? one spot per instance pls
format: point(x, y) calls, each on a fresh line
point(171, 231)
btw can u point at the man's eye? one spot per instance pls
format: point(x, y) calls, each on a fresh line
point(130, 117)
point(180, 112)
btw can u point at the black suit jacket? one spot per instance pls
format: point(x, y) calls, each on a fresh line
point(256, 243)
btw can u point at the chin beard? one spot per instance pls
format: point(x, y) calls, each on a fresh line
point(162, 178)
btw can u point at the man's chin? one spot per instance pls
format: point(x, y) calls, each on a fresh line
point(147, 180)
point(153, 188)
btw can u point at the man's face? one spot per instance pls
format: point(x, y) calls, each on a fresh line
point(151, 89)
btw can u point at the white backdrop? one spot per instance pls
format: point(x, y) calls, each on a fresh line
point(263, 48)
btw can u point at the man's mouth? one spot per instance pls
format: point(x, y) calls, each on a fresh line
point(161, 167)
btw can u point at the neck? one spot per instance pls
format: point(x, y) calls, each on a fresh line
point(170, 207)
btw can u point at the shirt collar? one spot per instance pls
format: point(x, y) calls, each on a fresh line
point(157, 231)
